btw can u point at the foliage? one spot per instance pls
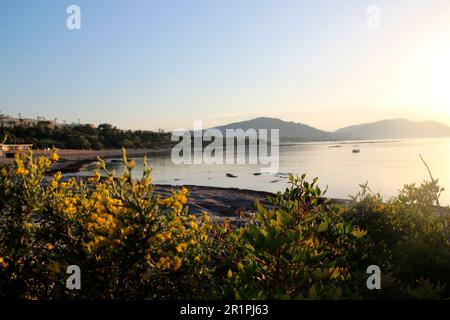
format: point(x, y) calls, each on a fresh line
point(132, 244)
point(299, 250)
point(408, 238)
point(105, 136)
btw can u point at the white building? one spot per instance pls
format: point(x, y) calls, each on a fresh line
point(6, 149)
point(8, 121)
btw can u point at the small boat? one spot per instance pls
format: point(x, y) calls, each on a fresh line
point(356, 150)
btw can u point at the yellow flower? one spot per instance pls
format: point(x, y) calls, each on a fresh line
point(184, 190)
point(21, 171)
point(100, 220)
point(197, 258)
point(177, 263)
point(160, 236)
point(312, 243)
point(163, 263)
point(179, 248)
point(43, 163)
point(96, 177)
point(194, 225)
point(182, 198)
point(229, 274)
point(359, 233)
point(50, 246)
point(206, 218)
point(3, 263)
point(57, 176)
point(54, 156)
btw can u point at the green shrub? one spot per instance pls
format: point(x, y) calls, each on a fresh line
point(302, 249)
point(132, 244)
point(408, 239)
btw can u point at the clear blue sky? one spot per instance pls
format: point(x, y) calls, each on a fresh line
point(149, 64)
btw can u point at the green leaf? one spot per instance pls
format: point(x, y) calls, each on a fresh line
point(323, 227)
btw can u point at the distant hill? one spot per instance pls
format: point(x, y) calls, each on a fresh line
point(289, 131)
point(395, 128)
point(384, 129)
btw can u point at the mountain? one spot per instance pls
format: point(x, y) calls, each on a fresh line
point(384, 129)
point(395, 128)
point(289, 131)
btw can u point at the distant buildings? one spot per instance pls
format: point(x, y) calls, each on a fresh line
point(11, 149)
point(7, 121)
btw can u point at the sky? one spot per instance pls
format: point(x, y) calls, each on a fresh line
point(149, 64)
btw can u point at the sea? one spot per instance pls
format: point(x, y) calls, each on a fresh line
point(386, 165)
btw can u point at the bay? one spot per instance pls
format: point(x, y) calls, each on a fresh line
point(386, 164)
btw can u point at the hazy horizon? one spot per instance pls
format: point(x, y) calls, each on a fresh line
point(149, 65)
point(244, 120)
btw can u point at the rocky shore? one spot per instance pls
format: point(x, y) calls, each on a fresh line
point(235, 204)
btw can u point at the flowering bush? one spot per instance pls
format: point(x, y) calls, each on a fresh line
point(127, 241)
point(130, 243)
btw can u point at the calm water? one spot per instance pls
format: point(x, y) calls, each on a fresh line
point(386, 165)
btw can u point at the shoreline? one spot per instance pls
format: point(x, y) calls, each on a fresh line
point(238, 205)
point(235, 204)
point(72, 160)
point(223, 202)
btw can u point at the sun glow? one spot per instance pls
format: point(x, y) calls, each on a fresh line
point(435, 84)
point(437, 80)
